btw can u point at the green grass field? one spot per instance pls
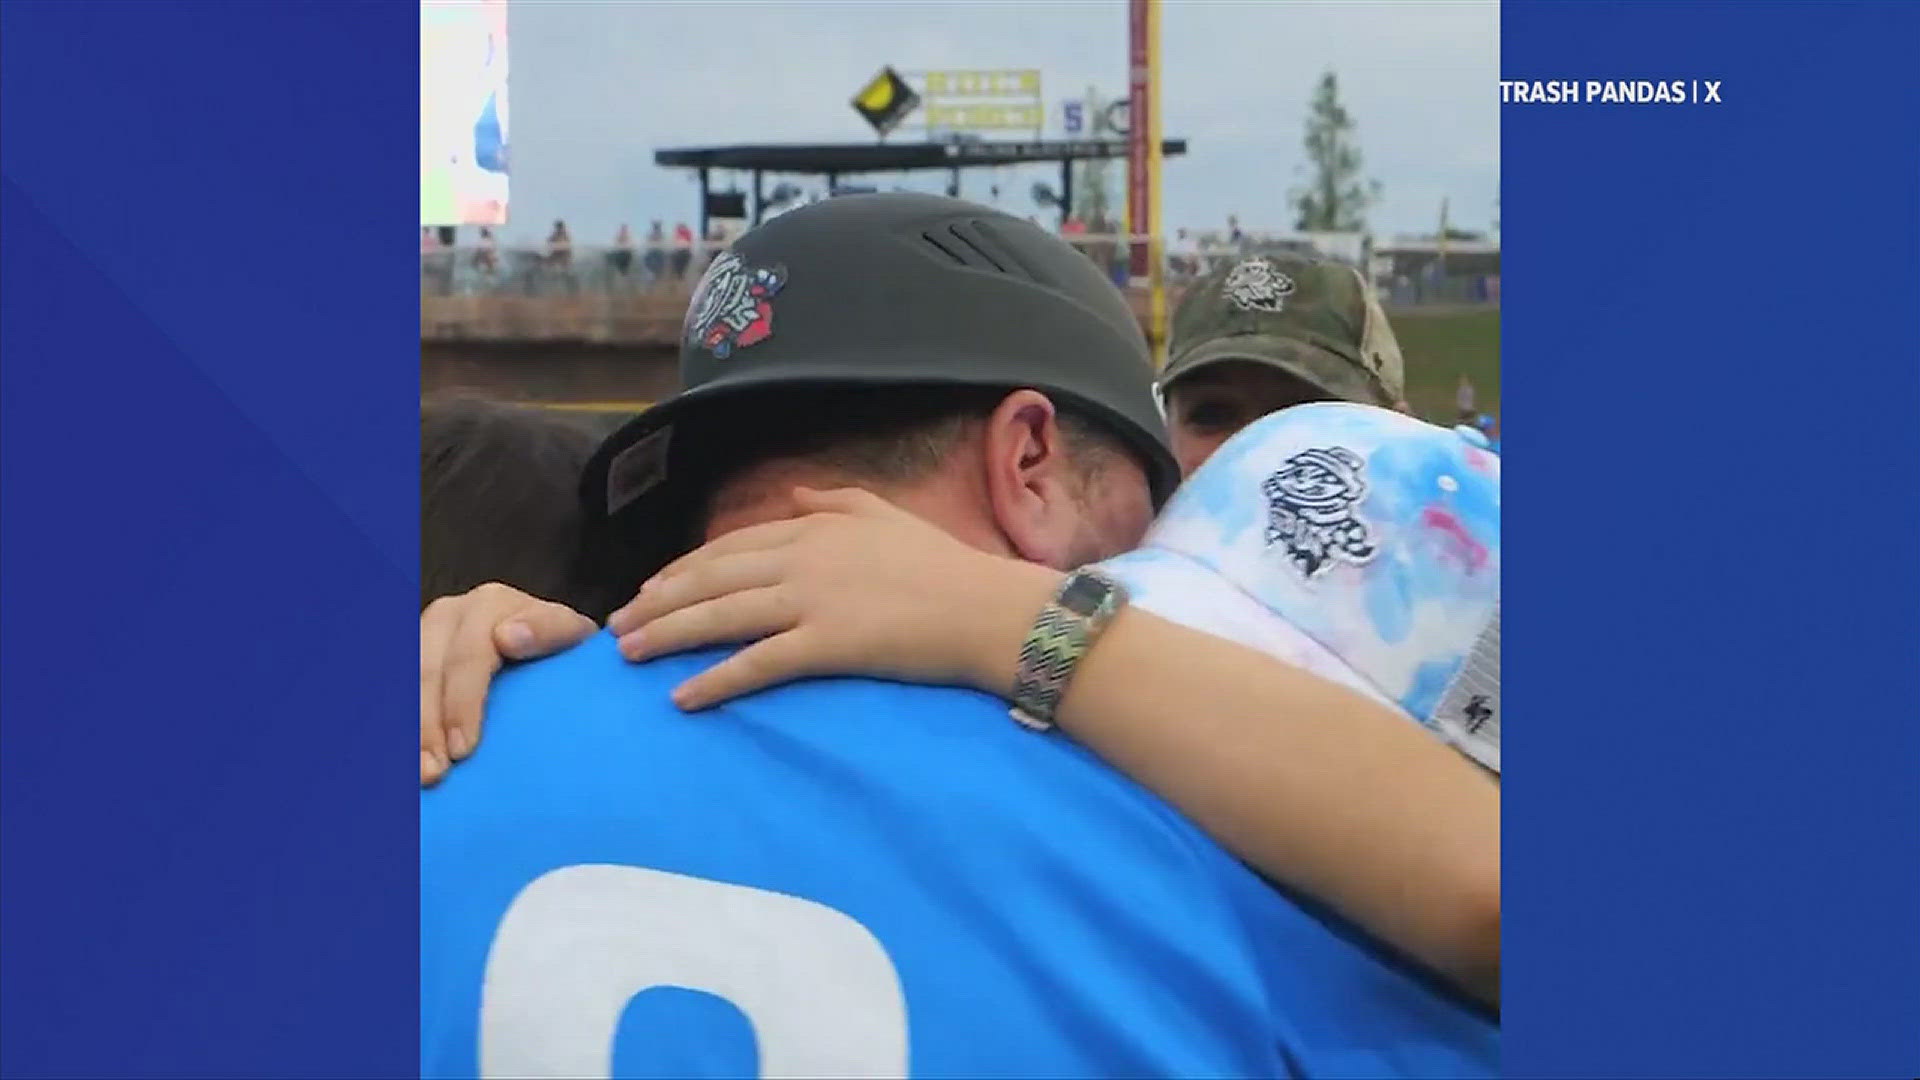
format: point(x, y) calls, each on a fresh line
point(1439, 347)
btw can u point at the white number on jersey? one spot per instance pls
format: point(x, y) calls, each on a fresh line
point(578, 943)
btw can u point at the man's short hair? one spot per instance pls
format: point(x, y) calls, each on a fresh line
point(882, 435)
point(498, 503)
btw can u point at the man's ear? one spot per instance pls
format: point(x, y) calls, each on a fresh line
point(1031, 483)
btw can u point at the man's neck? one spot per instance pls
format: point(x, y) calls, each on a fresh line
point(946, 502)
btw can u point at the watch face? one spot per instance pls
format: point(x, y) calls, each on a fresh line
point(1084, 595)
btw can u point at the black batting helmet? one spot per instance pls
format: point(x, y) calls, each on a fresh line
point(885, 291)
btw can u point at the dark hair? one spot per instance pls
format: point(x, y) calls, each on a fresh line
point(884, 434)
point(499, 502)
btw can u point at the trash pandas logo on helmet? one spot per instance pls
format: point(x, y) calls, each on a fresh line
point(1311, 510)
point(733, 306)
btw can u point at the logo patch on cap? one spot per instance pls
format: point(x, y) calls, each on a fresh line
point(1469, 711)
point(1312, 512)
point(637, 470)
point(1257, 285)
point(733, 306)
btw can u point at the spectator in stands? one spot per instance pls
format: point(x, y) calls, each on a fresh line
point(682, 249)
point(656, 257)
point(622, 256)
point(1463, 399)
point(486, 255)
point(560, 246)
point(436, 263)
point(1184, 259)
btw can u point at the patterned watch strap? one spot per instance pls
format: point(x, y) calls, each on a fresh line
point(1054, 647)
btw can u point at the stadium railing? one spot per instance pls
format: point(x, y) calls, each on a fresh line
point(672, 268)
point(474, 270)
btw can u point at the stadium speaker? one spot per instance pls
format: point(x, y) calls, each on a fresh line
point(885, 101)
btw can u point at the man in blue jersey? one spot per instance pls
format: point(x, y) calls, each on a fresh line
point(859, 878)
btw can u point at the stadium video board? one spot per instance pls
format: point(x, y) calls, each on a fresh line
point(463, 112)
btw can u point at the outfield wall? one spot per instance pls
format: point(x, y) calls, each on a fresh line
point(1440, 345)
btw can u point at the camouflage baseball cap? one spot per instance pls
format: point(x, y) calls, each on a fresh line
point(1313, 318)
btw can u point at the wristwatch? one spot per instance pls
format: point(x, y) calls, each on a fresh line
point(1065, 629)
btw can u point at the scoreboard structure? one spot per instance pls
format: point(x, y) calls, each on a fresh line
point(954, 102)
point(979, 101)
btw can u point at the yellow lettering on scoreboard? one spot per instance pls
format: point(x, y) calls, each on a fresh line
point(983, 100)
point(986, 117)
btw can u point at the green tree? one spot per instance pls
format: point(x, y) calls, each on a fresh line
point(1092, 188)
point(1336, 196)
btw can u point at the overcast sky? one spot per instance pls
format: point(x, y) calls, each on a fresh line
point(597, 87)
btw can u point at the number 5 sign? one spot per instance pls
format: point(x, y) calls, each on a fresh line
point(1075, 116)
point(577, 944)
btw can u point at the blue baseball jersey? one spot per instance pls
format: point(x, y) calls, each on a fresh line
point(848, 877)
